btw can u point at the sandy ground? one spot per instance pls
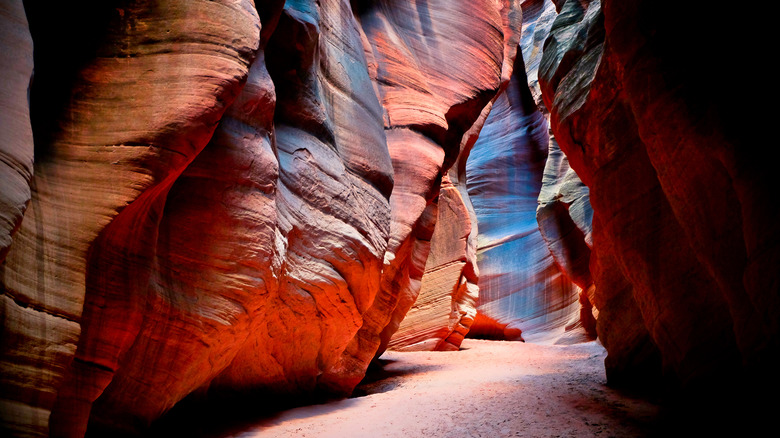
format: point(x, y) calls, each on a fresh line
point(488, 389)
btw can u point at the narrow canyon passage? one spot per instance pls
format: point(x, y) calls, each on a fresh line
point(487, 389)
point(259, 218)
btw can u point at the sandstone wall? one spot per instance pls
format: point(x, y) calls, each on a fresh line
point(564, 213)
point(248, 196)
point(211, 210)
point(16, 143)
point(436, 79)
point(523, 294)
point(678, 233)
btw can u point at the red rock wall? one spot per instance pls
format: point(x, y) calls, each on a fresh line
point(212, 201)
point(16, 165)
point(436, 82)
point(441, 315)
point(678, 233)
point(136, 116)
point(16, 142)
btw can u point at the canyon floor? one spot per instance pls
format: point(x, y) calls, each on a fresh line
point(487, 389)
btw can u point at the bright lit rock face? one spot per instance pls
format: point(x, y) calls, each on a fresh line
point(439, 66)
point(135, 117)
point(442, 314)
point(681, 229)
point(188, 191)
point(211, 210)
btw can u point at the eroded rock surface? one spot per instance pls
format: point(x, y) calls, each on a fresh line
point(564, 213)
point(523, 294)
point(439, 65)
point(442, 314)
point(16, 142)
point(16, 166)
point(157, 110)
point(180, 222)
point(213, 200)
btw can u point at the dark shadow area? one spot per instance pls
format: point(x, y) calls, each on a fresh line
point(487, 334)
point(223, 414)
point(218, 414)
point(747, 406)
point(741, 408)
point(376, 374)
point(380, 379)
point(607, 408)
point(66, 37)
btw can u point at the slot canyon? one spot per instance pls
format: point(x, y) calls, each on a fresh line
point(386, 218)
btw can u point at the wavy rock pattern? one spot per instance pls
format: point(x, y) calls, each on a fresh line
point(565, 219)
point(572, 55)
point(113, 169)
point(176, 239)
point(438, 66)
point(564, 213)
point(538, 18)
point(16, 143)
point(565, 216)
point(16, 166)
point(197, 214)
point(313, 212)
point(335, 181)
point(523, 294)
point(440, 317)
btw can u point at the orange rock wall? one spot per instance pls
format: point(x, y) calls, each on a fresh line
point(230, 193)
point(436, 82)
point(234, 196)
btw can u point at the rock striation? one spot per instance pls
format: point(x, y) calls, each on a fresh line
point(564, 213)
point(82, 264)
point(235, 194)
point(523, 294)
point(16, 141)
point(442, 314)
point(17, 342)
point(436, 79)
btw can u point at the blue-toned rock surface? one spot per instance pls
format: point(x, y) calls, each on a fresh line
point(523, 293)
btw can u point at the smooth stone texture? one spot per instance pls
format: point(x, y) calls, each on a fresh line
point(157, 110)
point(213, 200)
point(439, 65)
point(16, 141)
point(522, 291)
